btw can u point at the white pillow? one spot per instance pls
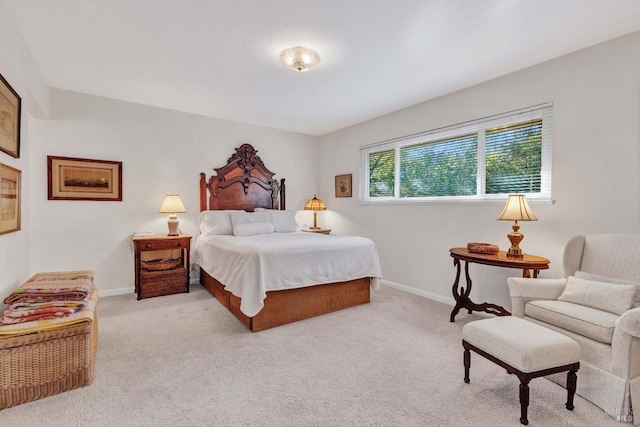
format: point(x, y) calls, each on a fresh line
point(284, 221)
point(238, 218)
point(215, 222)
point(598, 278)
point(253, 228)
point(611, 297)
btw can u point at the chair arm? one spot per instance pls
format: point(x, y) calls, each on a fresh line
point(523, 290)
point(629, 322)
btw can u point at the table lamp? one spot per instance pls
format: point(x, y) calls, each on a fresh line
point(516, 209)
point(172, 204)
point(315, 205)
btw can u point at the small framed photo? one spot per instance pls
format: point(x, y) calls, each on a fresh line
point(343, 185)
point(70, 178)
point(10, 194)
point(9, 119)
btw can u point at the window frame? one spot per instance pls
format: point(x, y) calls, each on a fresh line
point(479, 126)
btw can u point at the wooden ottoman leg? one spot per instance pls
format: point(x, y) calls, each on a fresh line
point(467, 361)
point(524, 399)
point(572, 380)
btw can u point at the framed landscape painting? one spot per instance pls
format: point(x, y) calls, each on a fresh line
point(10, 195)
point(71, 178)
point(9, 119)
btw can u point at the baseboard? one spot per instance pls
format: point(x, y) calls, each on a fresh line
point(128, 290)
point(409, 289)
point(419, 292)
point(113, 292)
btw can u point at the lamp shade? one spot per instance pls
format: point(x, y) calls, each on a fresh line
point(517, 209)
point(315, 204)
point(172, 204)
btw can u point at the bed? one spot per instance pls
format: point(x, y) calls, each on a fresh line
point(271, 278)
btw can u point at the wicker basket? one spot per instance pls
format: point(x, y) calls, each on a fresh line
point(160, 264)
point(42, 364)
point(163, 282)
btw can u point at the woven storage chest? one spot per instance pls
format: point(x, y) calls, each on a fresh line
point(42, 364)
point(163, 282)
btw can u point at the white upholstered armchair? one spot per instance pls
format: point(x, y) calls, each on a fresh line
point(597, 303)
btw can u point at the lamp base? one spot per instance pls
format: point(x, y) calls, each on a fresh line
point(173, 225)
point(515, 238)
point(315, 221)
point(515, 252)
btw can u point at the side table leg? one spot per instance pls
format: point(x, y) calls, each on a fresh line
point(458, 295)
point(467, 291)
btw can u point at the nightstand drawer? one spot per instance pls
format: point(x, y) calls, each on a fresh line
point(150, 245)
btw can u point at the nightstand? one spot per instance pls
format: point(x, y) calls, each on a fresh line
point(161, 265)
point(318, 230)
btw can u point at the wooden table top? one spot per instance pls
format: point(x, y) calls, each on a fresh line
point(501, 259)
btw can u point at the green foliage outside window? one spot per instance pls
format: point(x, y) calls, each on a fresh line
point(381, 174)
point(514, 159)
point(449, 167)
point(441, 168)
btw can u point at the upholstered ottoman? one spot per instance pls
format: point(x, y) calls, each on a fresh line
point(524, 349)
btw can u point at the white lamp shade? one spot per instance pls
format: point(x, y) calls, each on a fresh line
point(517, 209)
point(172, 204)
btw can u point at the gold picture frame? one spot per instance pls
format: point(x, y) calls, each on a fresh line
point(343, 185)
point(10, 104)
point(71, 178)
point(10, 195)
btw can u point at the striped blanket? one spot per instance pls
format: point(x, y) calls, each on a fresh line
point(48, 295)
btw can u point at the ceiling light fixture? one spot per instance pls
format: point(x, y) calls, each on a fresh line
point(300, 58)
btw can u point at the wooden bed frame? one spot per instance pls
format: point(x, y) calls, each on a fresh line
point(245, 183)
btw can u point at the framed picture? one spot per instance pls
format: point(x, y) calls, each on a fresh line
point(9, 119)
point(84, 179)
point(10, 212)
point(343, 185)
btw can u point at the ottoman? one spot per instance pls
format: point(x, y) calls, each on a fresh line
point(524, 349)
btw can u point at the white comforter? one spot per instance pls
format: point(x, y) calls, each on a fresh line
point(249, 266)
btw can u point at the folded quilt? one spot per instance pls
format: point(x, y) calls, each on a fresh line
point(36, 305)
point(53, 286)
point(84, 315)
point(11, 317)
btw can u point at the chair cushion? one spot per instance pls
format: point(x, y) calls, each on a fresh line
point(598, 278)
point(586, 321)
point(612, 297)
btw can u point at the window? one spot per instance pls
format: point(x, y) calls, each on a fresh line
point(479, 160)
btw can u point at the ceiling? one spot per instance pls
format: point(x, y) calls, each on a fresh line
point(219, 58)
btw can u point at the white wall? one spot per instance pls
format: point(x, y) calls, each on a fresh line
point(19, 68)
point(596, 171)
point(162, 151)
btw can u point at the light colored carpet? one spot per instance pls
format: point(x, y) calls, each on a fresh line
point(183, 360)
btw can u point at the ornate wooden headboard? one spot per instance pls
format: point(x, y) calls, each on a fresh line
point(243, 183)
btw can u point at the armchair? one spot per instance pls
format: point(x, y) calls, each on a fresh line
point(597, 303)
